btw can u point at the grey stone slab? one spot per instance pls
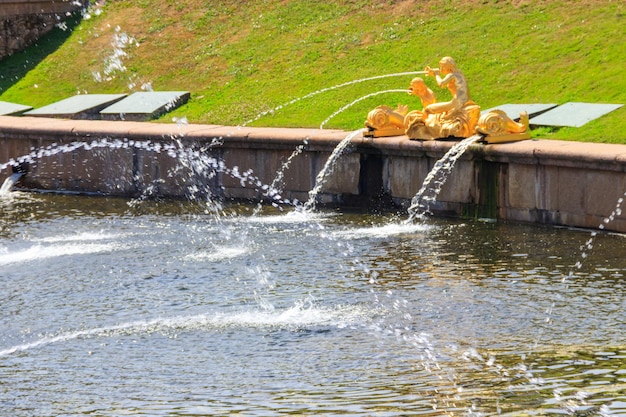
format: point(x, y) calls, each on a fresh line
point(514, 110)
point(573, 114)
point(81, 106)
point(145, 105)
point(13, 109)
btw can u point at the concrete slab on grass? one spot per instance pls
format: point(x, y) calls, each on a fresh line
point(81, 106)
point(573, 114)
point(514, 110)
point(13, 109)
point(145, 105)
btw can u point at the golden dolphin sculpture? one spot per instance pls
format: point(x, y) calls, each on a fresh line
point(459, 117)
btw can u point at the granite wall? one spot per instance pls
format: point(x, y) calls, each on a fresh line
point(535, 181)
point(23, 22)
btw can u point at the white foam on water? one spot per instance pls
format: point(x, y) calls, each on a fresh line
point(295, 216)
point(387, 230)
point(295, 317)
point(79, 237)
point(9, 255)
point(217, 254)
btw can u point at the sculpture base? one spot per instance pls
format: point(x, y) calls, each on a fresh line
point(511, 137)
point(449, 138)
point(369, 132)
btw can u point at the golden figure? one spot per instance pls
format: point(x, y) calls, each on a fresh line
point(455, 81)
point(460, 117)
point(418, 88)
point(457, 117)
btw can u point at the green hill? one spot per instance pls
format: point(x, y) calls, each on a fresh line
point(241, 59)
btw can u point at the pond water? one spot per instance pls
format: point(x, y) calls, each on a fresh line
point(168, 308)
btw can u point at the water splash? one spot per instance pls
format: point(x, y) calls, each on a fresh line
point(8, 183)
point(114, 63)
point(526, 378)
point(93, 9)
point(55, 149)
point(383, 232)
point(337, 152)
point(436, 178)
point(585, 250)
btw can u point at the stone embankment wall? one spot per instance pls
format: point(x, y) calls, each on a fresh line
point(537, 181)
point(23, 22)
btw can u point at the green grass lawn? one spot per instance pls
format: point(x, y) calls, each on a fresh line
point(242, 59)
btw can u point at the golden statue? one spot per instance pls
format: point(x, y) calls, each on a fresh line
point(460, 117)
point(499, 128)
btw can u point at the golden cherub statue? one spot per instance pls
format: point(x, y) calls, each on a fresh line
point(460, 117)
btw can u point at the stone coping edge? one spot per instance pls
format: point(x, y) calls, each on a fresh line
point(611, 157)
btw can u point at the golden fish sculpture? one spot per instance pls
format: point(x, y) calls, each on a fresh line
point(458, 118)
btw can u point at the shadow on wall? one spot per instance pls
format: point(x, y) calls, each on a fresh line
point(15, 67)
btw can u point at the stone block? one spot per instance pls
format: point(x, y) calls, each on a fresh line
point(514, 110)
point(243, 167)
point(145, 105)
point(571, 191)
point(109, 171)
point(8, 109)
point(240, 193)
point(343, 178)
point(405, 175)
point(81, 106)
point(603, 189)
point(573, 114)
point(300, 177)
point(547, 188)
point(521, 187)
point(459, 186)
point(516, 214)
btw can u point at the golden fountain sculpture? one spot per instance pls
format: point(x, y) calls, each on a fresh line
point(459, 117)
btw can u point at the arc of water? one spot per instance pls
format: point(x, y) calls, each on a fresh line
point(322, 176)
point(334, 87)
point(347, 106)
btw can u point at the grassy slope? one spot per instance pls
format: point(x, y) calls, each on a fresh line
point(242, 58)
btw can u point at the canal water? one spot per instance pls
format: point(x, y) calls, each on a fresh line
point(167, 308)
